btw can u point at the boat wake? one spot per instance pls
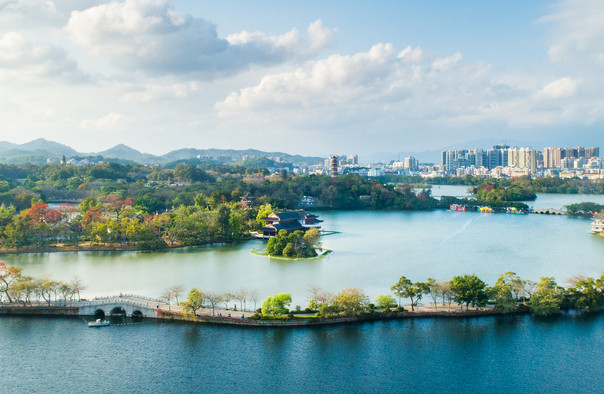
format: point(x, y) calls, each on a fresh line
point(461, 230)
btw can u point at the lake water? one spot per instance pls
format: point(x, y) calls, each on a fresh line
point(372, 250)
point(499, 355)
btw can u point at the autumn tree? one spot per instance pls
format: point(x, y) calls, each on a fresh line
point(8, 275)
point(351, 301)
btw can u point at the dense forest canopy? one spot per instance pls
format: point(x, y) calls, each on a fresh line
point(193, 202)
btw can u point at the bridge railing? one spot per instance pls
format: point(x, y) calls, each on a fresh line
point(127, 296)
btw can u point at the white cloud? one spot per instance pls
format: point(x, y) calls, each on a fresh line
point(564, 87)
point(577, 30)
point(148, 35)
point(20, 55)
point(154, 92)
point(408, 86)
point(444, 64)
point(110, 122)
point(21, 13)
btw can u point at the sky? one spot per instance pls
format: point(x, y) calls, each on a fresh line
point(310, 78)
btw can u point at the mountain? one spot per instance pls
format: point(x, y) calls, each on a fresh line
point(37, 151)
point(124, 152)
point(51, 148)
point(5, 146)
point(216, 154)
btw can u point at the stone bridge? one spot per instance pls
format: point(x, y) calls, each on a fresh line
point(549, 211)
point(124, 305)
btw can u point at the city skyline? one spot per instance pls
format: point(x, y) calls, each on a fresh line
point(351, 77)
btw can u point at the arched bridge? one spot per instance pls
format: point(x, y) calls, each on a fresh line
point(125, 305)
point(549, 211)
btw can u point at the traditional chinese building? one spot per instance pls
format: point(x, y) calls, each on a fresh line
point(290, 221)
point(247, 201)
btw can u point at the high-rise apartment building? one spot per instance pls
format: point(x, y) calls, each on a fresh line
point(552, 157)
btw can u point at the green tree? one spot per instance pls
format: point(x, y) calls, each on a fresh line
point(547, 298)
point(194, 302)
point(505, 301)
point(276, 305)
point(404, 288)
point(385, 301)
point(469, 289)
point(263, 212)
point(584, 295)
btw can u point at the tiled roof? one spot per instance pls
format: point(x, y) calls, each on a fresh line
point(289, 226)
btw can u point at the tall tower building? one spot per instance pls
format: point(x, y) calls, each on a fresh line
point(592, 152)
point(333, 165)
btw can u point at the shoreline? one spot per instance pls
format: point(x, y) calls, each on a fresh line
point(258, 252)
point(109, 248)
point(168, 316)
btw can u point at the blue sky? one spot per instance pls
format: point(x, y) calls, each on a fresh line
point(309, 77)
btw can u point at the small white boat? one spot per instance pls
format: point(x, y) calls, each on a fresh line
point(98, 323)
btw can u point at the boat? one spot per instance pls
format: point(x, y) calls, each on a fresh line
point(457, 207)
point(485, 210)
point(98, 323)
point(514, 211)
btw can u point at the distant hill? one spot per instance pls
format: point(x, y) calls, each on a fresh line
point(37, 151)
point(51, 148)
point(124, 152)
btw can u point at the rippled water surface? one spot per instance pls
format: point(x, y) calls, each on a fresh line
point(372, 250)
point(512, 354)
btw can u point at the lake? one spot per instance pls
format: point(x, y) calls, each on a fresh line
point(514, 354)
point(372, 250)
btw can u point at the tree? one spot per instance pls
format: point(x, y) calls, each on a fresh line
point(254, 296)
point(66, 291)
point(446, 293)
point(385, 301)
point(241, 296)
point(404, 288)
point(213, 298)
point(276, 305)
point(263, 212)
point(584, 295)
point(47, 288)
point(511, 279)
point(351, 301)
point(469, 289)
point(434, 289)
point(201, 201)
point(505, 301)
point(8, 274)
point(77, 286)
point(177, 291)
point(547, 298)
point(194, 301)
point(167, 296)
point(319, 295)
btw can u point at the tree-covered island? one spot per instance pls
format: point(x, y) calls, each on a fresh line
point(136, 207)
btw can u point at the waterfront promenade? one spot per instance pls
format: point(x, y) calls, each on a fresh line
point(129, 305)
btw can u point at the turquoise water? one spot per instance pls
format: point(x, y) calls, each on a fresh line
point(372, 251)
point(508, 354)
point(502, 355)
